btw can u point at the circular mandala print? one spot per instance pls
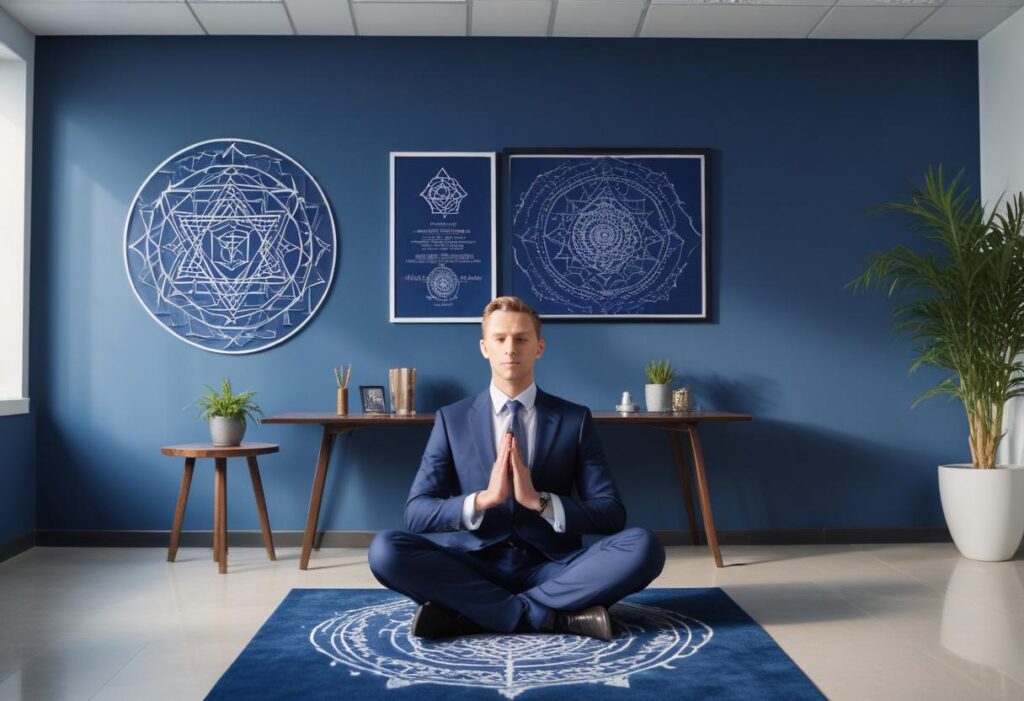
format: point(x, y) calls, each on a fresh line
point(442, 283)
point(376, 639)
point(230, 246)
point(602, 236)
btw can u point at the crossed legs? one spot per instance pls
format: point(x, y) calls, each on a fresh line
point(503, 588)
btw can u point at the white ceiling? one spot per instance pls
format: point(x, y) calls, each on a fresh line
point(796, 19)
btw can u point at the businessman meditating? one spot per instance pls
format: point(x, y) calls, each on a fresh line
point(509, 480)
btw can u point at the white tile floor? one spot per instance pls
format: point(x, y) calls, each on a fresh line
point(864, 622)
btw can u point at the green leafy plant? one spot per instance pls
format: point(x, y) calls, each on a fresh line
point(227, 404)
point(660, 372)
point(961, 301)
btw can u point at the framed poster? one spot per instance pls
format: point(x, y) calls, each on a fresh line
point(609, 234)
point(443, 228)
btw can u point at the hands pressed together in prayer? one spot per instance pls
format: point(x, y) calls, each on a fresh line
point(510, 475)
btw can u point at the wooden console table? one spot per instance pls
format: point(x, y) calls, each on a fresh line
point(673, 423)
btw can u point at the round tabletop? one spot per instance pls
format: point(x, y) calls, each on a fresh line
point(209, 450)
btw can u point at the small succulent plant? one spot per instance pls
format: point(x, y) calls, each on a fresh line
point(660, 372)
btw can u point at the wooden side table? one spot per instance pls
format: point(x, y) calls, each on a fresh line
point(220, 454)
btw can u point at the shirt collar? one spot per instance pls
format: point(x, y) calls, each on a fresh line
point(527, 397)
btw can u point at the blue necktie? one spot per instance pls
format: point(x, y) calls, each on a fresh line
point(517, 430)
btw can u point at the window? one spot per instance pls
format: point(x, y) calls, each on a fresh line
point(14, 110)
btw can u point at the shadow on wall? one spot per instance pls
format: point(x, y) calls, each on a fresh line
point(831, 479)
point(745, 394)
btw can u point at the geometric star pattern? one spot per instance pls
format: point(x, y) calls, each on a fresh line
point(602, 236)
point(444, 194)
point(230, 245)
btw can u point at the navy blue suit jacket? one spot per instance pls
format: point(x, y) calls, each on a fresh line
point(568, 461)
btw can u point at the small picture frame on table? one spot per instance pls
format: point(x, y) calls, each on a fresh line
point(373, 399)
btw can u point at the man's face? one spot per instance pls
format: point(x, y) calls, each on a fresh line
point(511, 345)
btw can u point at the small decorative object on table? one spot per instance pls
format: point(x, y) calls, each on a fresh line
point(373, 399)
point(403, 390)
point(227, 412)
point(658, 390)
point(342, 375)
point(681, 399)
point(626, 406)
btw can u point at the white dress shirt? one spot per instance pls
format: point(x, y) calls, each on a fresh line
point(501, 421)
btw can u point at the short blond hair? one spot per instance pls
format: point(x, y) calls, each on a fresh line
point(509, 304)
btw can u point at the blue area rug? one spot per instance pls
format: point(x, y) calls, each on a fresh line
point(355, 643)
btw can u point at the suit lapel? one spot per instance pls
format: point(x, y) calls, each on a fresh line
point(547, 426)
point(482, 430)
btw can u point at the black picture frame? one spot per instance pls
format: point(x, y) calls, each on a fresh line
point(541, 234)
point(373, 398)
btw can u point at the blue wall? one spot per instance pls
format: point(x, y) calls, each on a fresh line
point(807, 137)
point(17, 475)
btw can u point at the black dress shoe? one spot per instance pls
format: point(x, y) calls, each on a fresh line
point(593, 622)
point(434, 621)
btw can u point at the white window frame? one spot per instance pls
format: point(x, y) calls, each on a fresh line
point(17, 49)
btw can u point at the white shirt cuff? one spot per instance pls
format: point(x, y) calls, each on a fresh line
point(555, 514)
point(471, 518)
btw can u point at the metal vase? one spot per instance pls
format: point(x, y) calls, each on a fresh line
point(226, 431)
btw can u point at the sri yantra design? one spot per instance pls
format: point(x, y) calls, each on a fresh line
point(229, 245)
point(603, 236)
point(444, 194)
point(376, 639)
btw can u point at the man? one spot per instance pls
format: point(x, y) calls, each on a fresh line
point(509, 480)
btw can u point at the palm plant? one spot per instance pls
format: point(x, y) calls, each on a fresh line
point(961, 301)
point(227, 404)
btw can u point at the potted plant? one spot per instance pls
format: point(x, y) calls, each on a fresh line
point(227, 413)
point(658, 390)
point(962, 301)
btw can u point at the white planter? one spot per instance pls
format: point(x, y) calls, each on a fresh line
point(226, 432)
point(984, 509)
point(659, 397)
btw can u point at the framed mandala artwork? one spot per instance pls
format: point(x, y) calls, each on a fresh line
point(443, 228)
point(609, 234)
point(230, 246)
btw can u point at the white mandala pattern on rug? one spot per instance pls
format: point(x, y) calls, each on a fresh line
point(229, 245)
point(376, 639)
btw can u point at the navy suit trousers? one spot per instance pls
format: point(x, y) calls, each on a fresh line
point(511, 585)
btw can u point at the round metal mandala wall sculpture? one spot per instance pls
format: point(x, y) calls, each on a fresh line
point(230, 245)
point(376, 639)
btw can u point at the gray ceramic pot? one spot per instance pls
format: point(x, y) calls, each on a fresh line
point(659, 397)
point(226, 431)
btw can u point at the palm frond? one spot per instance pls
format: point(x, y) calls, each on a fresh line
point(961, 301)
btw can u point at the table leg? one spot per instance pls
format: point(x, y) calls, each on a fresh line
point(316, 496)
point(179, 510)
point(261, 506)
point(222, 525)
point(216, 516)
point(705, 497)
point(683, 468)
